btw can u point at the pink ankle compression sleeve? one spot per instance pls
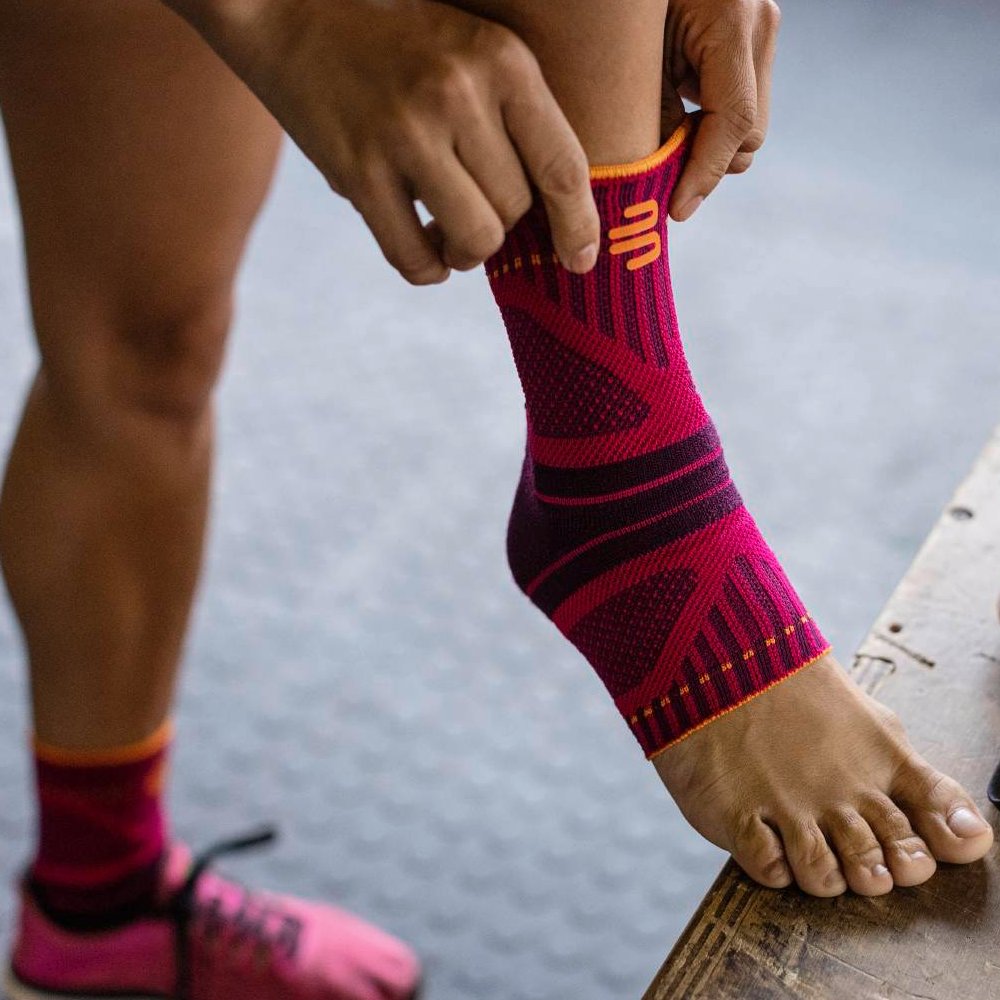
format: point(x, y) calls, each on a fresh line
point(101, 827)
point(626, 529)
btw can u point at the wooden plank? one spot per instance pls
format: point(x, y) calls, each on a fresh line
point(933, 655)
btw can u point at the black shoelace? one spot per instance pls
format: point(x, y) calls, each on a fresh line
point(185, 908)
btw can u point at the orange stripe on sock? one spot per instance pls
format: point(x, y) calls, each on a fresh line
point(732, 708)
point(609, 171)
point(105, 756)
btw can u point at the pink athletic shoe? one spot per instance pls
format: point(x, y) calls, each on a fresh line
point(212, 939)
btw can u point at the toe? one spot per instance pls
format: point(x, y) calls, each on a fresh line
point(861, 859)
point(943, 813)
point(812, 860)
point(757, 849)
point(909, 859)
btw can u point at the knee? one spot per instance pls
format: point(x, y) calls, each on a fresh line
point(166, 363)
point(152, 361)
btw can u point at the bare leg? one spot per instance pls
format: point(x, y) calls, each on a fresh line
point(812, 780)
point(140, 163)
point(603, 62)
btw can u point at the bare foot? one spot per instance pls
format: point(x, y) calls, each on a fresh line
point(815, 782)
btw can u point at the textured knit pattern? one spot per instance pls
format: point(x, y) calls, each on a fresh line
point(101, 830)
point(626, 529)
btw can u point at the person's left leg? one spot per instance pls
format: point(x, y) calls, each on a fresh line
point(628, 533)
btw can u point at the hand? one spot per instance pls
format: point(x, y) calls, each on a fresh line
point(719, 54)
point(397, 101)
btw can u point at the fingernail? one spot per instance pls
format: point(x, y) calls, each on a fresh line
point(879, 871)
point(965, 823)
point(689, 208)
point(584, 260)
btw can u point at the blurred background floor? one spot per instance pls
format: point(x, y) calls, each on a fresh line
point(362, 669)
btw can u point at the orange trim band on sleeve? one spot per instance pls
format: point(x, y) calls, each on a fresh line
point(611, 171)
point(105, 756)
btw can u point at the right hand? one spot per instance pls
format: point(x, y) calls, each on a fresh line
point(400, 101)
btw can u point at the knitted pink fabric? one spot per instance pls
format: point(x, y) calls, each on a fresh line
point(101, 828)
point(626, 529)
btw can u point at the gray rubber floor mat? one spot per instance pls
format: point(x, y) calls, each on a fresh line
point(362, 669)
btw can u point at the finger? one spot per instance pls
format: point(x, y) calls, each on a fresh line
point(435, 237)
point(741, 163)
point(471, 231)
point(729, 106)
point(390, 214)
point(493, 163)
point(765, 48)
point(556, 162)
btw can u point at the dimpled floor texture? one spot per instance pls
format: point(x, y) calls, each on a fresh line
point(362, 668)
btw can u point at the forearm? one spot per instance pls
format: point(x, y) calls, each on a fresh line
point(397, 101)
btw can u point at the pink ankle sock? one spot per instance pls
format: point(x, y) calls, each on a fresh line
point(101, 830)
point(626, 529)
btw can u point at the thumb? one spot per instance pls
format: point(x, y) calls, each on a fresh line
point(729, 111)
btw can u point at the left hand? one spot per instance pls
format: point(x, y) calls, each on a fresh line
point(719, 54)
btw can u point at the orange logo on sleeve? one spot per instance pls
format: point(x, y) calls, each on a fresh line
point(640, 235)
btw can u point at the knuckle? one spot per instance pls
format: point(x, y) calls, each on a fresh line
point(457, 90)
point(481, 242)
point(505, 51)
point(364, 183)
point(416, 268)
point(743, 113)
point(861, 854)
point(564, 175)
point(750, 845)
point(512, 209)
point(741, 163)
point(421, 276)
point(762, 853)
point(409, 140)
point(754, 139)
point(770, 13)
point(449, 89)
point(815, 849)
point(889, 818)
point(744, 830)
point(940, 788)
point(846, 820)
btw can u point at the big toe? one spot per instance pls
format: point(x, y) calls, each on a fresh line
point(943, 813)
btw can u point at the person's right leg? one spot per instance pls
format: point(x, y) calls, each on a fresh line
point(628, 533)
point(140, 163)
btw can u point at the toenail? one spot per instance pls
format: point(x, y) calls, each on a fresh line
point(965, 823)
point(917, 855)
point(879, 871)
point(834, 878)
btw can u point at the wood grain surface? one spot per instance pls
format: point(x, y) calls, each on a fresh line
point(934, 656)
